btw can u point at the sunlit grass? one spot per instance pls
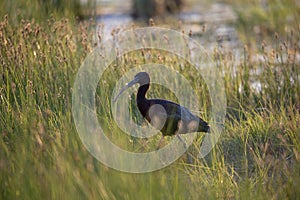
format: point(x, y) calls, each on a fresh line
point(41, 155)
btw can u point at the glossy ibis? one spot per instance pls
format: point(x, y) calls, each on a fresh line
point(168, 117)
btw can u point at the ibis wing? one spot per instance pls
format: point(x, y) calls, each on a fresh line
point(171, 125)
point(179, 119)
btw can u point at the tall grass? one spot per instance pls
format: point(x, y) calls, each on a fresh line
point(261, 19)
point(41, 10)
point(41, 155)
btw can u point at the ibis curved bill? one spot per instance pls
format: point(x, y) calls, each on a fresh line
point(128, 85)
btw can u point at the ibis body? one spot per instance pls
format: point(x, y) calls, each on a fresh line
point(169, 117)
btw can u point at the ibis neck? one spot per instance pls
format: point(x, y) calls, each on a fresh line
point(141, 95)
point(141, 100)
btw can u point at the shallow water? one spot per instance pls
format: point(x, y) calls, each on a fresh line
point(211, 24)
point(195, 15)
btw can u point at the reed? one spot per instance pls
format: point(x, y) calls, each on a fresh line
point(41, 155)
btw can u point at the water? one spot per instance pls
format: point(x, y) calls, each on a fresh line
point(216, 17)
point(211, 24)
point(108, 22)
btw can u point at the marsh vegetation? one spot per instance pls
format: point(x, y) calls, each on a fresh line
point(42, 156)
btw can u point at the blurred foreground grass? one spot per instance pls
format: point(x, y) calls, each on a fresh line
point(41, 155)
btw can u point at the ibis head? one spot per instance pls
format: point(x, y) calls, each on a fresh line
point(141, 78)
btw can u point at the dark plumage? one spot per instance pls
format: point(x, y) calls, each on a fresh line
point(169, 117)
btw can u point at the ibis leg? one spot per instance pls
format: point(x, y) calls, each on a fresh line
point(190, 159)
point(159, 143)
